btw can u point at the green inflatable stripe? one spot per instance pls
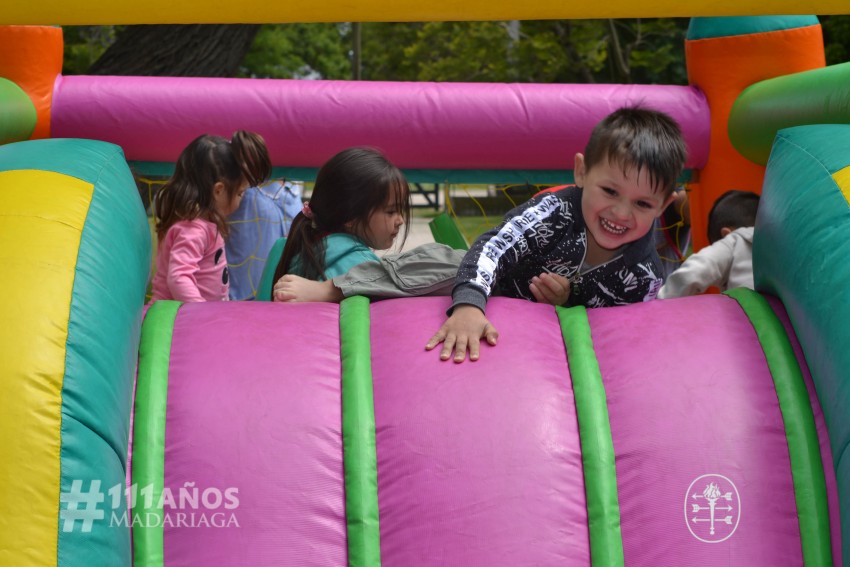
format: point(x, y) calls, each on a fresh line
point(597, 446)
point(800, 430)
point(819, 96)
point(17, 113)
point(445, 231)
point(149, 431)
point(358, 435)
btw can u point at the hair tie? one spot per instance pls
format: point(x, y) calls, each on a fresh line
point(306, 210)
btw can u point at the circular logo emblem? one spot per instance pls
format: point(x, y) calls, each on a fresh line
point(712, 508)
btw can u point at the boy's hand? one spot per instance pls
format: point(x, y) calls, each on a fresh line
point(464, 329)
point(550, 288)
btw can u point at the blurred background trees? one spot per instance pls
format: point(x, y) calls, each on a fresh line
point(644, 51)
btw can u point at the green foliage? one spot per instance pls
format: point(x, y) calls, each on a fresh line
point(657, 51)
point(503, 51)
point(83, 46)
point(383, 48)
point(461, 51)
point(544, 51)
point(587, 46)
point(836, 38)
point(299, 51)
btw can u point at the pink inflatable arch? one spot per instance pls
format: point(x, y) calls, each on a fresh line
point(670, 451)
point(418, 125)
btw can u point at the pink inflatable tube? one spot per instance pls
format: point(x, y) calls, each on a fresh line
point(419, 125)
point(481, 464)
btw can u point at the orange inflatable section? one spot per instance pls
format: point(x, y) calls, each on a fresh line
point(723, 67)
point(31, 57)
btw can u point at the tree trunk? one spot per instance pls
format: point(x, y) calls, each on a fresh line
point(177, 51)
point(563, 29)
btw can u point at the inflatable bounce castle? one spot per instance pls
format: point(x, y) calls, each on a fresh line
point(710, 430)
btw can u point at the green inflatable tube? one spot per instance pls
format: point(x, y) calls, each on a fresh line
point(819, 96)
point(17, 113)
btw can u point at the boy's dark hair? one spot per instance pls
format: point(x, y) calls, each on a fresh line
point(733, 209)
point(208, 159)
point(640, 138)
point(349, 188)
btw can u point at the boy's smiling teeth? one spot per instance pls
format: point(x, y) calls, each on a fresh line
point(611, 227)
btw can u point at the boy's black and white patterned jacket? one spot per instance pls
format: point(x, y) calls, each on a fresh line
point(546, 234)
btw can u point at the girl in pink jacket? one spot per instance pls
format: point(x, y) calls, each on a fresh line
point(209, 179)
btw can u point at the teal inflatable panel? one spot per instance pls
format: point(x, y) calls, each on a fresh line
point(103, 339)
point(800, 251)
point(706, 28)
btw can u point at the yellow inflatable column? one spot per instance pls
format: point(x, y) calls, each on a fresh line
point(75, 252)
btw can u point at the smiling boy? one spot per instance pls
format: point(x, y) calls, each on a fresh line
point(589, 244)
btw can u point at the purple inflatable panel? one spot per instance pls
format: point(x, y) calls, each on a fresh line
point(478, 463)
point(253, 407)
point(694, 416)
point(418, 125)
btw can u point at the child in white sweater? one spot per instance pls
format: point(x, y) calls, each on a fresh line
point(728, 262)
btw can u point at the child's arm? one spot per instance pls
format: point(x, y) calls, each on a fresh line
point(187, 251)
point(428, 269)
point(515, 243)
point(518, 237)
point(708, 267)
point(464, 330)
point(467, 324)
point(292, 289)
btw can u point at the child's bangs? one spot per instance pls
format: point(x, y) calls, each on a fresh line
point(399, 190)
point(629, 156)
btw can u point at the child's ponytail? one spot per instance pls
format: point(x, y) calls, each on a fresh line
point(206, 161)
point(305, 240)
point(251, 154)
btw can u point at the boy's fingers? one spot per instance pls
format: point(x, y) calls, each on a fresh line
point(543, 294)
point(448, 345)
point(556, 284)
point(547, 282)
point(460, 349)
point(474, 349)
point(436, 339)
point(491, 334)
point(535, 291)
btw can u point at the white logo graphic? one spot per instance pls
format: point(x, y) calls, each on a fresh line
point(712, 508)
point(186, 506)
point(90, 499)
